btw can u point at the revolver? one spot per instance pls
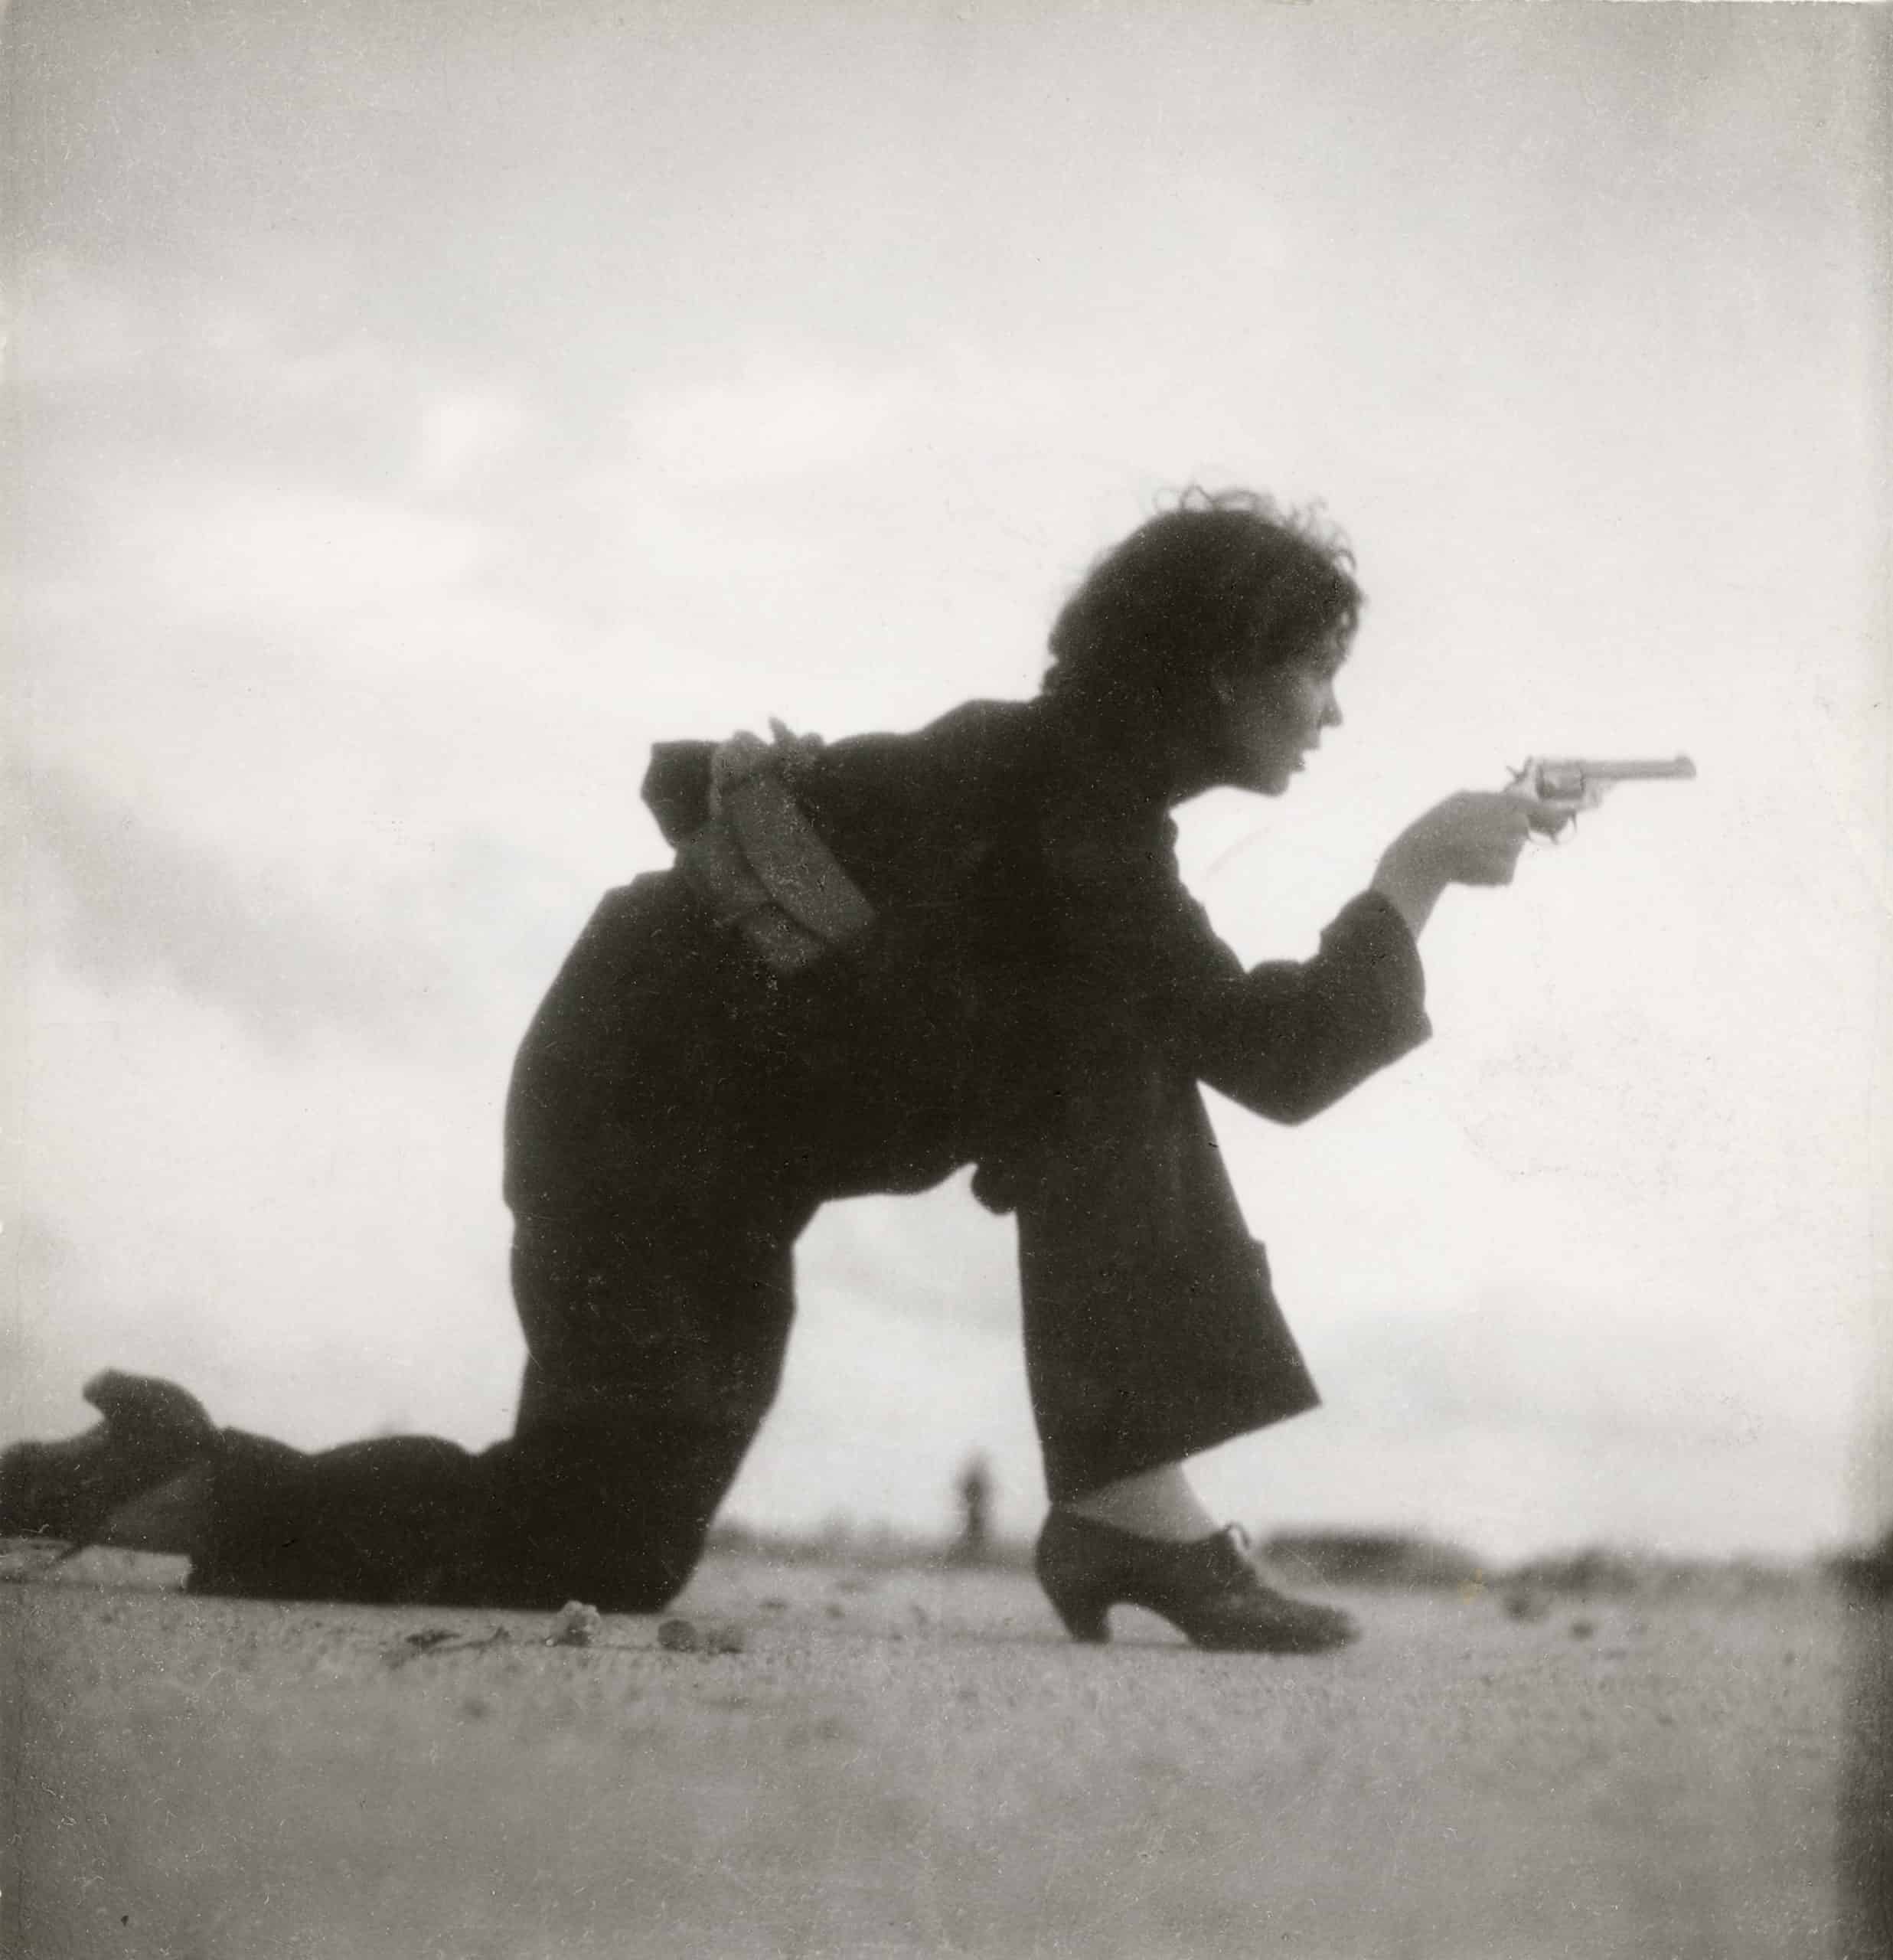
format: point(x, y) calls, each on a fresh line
point(1569, 784)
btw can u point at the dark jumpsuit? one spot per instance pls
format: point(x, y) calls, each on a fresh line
point(1039, 996)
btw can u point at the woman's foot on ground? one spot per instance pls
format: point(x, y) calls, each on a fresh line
point(1208, 1589)
point(154, 1433)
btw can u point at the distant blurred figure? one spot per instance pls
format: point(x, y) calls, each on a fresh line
point(975, 1544)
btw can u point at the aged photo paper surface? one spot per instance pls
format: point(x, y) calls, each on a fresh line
point(413, 415)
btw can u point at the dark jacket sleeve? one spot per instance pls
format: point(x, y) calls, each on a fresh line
point(1285, 1039)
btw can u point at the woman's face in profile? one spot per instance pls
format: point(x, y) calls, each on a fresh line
point(1275, 717)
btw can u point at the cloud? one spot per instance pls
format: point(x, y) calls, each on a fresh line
point(138, 904)
point(253, 551)
point(72, 332)
point(779, 421)
point(459, 432)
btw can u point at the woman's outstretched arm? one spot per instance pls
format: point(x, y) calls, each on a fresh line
point(1286, 1039)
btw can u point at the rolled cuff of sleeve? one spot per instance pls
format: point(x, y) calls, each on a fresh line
point(1373, 942)
point(1290, 1040)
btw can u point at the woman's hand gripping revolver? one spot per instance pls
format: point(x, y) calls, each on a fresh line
point(1475, 838)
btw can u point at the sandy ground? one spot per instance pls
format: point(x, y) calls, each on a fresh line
point(919, 1764)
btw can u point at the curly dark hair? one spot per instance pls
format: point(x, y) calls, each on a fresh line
point(1224, 581)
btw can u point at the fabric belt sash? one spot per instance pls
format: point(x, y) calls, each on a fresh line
point(762, 868)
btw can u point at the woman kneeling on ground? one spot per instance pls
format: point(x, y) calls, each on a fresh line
point(874, 962)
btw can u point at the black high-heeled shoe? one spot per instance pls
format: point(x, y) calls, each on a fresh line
point(1207, 1589)
point(153, 1431)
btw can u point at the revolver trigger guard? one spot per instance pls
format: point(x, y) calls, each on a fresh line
point(1553, 834)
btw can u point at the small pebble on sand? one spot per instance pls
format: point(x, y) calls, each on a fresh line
point(577, 1625)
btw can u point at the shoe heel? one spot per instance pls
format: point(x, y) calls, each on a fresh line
point(1085, 1620)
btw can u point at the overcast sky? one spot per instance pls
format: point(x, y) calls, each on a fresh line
point(415, 412)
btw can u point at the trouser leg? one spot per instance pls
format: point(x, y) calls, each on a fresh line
point(655, 1348)
point(655, 1345)
point(1151, 1327)
point(397, 1520)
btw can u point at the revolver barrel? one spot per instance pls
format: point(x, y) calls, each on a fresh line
point(1681, 768)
